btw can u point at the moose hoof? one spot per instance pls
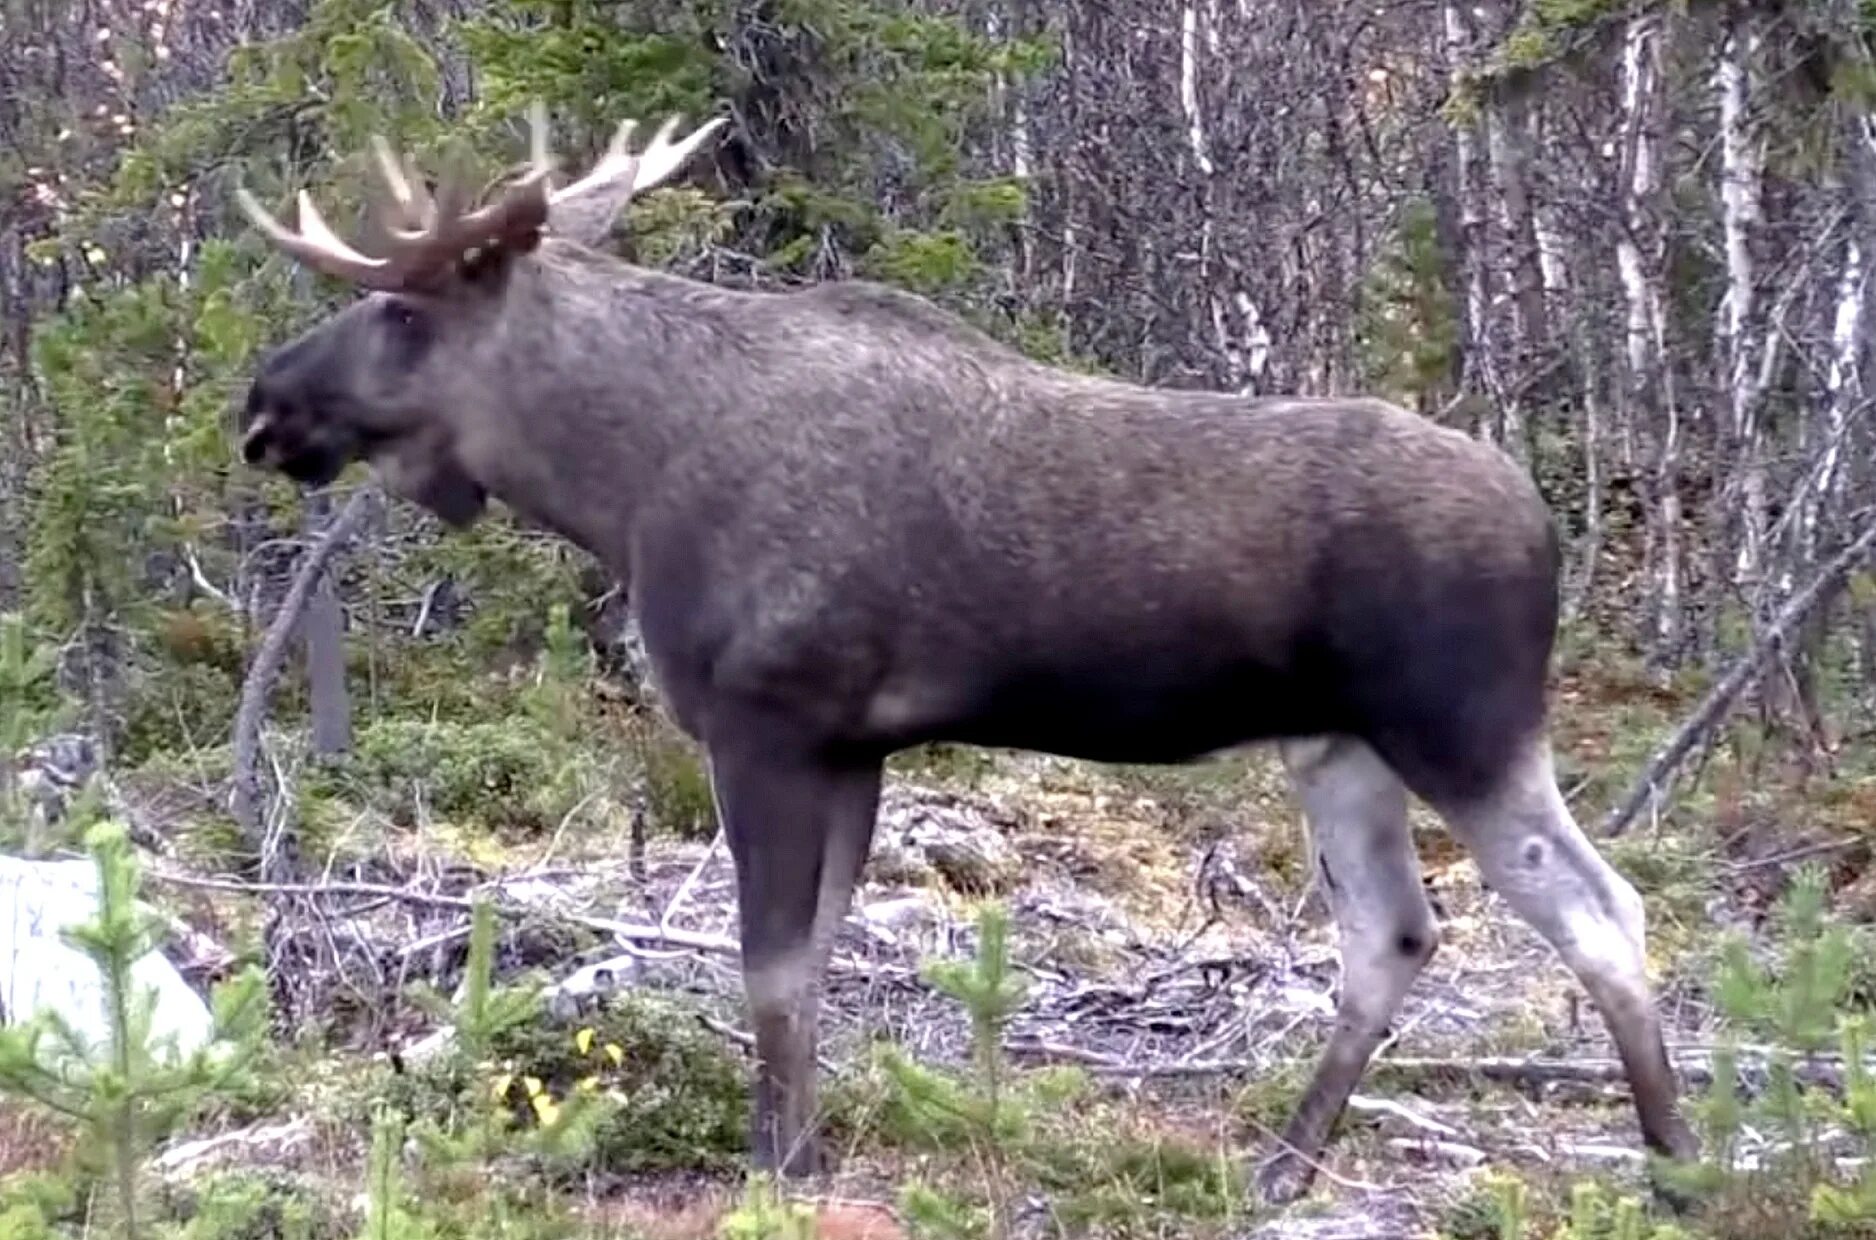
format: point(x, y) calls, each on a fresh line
point(1284, 1179)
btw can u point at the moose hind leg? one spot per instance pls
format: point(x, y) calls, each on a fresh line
point(1356, 808)
point(1531, 851)
point(799, 830)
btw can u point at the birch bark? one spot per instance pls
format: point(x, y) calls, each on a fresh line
point(1475, 342)
point(1648, 388)
point(1742, 161)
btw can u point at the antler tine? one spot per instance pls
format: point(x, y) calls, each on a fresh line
point(429, 233)
point(521, 209)
point(317, 246)
point(539, 155)
point(636, 173)
point(662, 157)
point(438, 230)
point(411, 199)
point(617, 165)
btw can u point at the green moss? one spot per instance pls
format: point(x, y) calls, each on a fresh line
point(961, 764)
point(504, 774)
point(255, 1205)
point(676, 1098)
point(678, 797)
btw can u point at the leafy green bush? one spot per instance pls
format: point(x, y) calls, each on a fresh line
point(255, 1205)
point(640, 1085)
point(497, 774)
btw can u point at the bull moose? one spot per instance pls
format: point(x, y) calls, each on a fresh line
point(851, 523)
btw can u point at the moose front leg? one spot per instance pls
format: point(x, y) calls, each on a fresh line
point(799, 828)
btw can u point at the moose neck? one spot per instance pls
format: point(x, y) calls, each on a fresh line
point(610, 370)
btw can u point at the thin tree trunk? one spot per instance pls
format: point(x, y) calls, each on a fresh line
point(322, 629)
point(1649, 391)
point(245, 802)
point(1507, 131)
point(1742, 159)
point(1475, 336)
point(1850, 336)
point(1590, 546)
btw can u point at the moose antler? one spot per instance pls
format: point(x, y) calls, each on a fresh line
point(427, 236)
point(621, 170)
point(584, 209)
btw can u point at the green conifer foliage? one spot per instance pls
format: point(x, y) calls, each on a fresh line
point(134, 1088)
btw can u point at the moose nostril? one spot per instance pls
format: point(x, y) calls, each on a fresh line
point(254, 443)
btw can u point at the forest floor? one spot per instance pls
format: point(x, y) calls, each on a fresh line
point(1173, 954)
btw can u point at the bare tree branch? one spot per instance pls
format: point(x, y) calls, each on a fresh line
point(245, 796)
point(1648, 788)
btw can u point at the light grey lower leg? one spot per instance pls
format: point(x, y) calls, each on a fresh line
point(1357, 812)
point(1531, 851)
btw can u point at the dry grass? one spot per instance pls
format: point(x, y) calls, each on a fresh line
point(702, 1217)
point(30, 1139)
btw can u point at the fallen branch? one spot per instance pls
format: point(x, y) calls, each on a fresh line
point(1508, 1071)
point(1714, 707)
point(1099, 1064)
point(630, 931)
point(1362, 1104)
point(244, 797)
point(1694, 1067)
point(1457, 1153)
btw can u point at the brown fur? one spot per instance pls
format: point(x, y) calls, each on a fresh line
point(850, 523)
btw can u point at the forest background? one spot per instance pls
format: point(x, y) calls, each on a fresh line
point(1630, 242)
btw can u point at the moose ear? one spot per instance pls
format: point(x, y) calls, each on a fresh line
point(487, 266)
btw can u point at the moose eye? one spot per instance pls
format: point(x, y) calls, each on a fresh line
point(406, 329)
point(400, 314)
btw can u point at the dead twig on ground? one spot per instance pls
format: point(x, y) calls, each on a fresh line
point(625, 931)
point(1363, 1104)
point(1694, 1067)
point(634, 931)
point(689, 884)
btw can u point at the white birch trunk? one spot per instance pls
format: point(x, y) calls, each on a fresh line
point(1509, 140)
point(1843, 380)
point(1471, 219)
point(1648, 387)
point(1012, 104)
point(1742, 160)
point(1070, 235)
point(1189, 85)
point(1514, 219)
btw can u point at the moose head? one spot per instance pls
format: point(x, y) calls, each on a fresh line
point(394, 377)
